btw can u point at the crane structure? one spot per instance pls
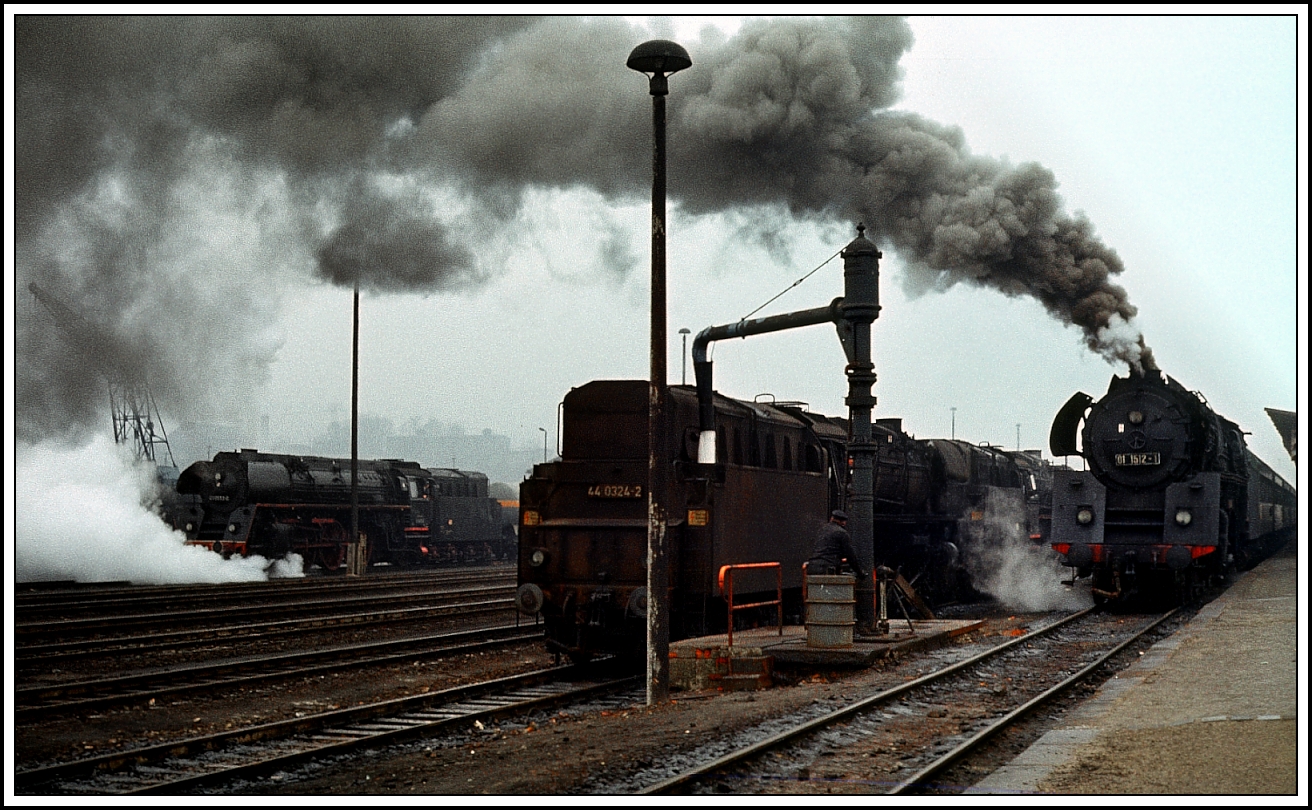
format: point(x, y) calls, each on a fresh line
point(132, 406)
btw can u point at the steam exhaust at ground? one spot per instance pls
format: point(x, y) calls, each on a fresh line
point(1019, 573)
point(85, 514)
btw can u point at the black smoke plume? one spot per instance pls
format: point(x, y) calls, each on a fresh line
point(171, 174)
point(791, 113)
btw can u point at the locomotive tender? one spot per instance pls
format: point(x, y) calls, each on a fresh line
point(268, 504)
point(780, 470)
point(1172, 497)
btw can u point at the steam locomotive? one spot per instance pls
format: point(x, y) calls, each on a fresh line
point(1172, 497)
point(782, 469)
point(250, 503)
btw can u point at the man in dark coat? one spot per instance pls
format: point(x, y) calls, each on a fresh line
point(832, 545)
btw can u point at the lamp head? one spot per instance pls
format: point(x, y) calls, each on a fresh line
point(659, 58)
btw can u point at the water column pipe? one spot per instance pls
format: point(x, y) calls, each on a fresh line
point(703, 368)
point(860, 308)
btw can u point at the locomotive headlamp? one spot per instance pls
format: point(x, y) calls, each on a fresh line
point(1136, 417)
point(232, 528)
point(1084, 517)
point(190, 527)
point(537, 558)
point(1183, 517)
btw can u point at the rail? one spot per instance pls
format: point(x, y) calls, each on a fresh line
point(726, 589)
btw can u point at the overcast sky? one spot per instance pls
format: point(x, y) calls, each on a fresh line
point(1177, 138)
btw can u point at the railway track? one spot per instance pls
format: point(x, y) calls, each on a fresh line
point(117, 598)
point(886, 732)
point(43, 642)
point(183, 765)
point(38, 702)
point(27, 630)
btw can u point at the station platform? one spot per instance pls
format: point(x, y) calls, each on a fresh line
point(710, 662)
point(1212, 710)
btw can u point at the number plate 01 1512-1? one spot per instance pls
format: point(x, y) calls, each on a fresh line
point(615, 491)
point(1138, 459)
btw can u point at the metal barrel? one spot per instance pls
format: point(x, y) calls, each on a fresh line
point(830, 611)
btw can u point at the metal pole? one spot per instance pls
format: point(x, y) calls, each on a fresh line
point(544, 444)
point(1018, 437)
point(860, 308)
point(658, 618)
point(657, 58)
point(684, 331)
point(357, 563)
point(954, 421)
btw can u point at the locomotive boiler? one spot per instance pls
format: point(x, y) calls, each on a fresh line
point(249, 502)
point(780, 470)
point(1172, 497)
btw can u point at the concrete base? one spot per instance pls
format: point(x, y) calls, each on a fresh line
point(706, 662)
point(698, 664)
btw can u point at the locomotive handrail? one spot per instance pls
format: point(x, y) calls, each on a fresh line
point(595, 523)
point(726, 587)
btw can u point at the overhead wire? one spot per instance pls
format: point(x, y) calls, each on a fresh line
point(791, 286)
point(785, 290)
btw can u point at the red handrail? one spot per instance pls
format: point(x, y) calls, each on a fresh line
point(726, 589)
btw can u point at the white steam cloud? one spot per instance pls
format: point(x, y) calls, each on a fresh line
point(1018, 573)
point(85, 514)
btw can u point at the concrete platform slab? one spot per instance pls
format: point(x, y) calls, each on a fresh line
point(789, 649)
point(1221, 691)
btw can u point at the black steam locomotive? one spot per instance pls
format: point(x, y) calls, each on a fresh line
point(251, 503)
point(781, 470)
point(1172, 497)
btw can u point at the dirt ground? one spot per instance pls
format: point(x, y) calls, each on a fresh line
point(210, 711)
point(601, 751)
point(585, 753)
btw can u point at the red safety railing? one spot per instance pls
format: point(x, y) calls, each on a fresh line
point(726, 589)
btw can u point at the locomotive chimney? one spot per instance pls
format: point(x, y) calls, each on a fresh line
point(860, 308)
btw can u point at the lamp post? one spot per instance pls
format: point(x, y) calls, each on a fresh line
point(657, 59)
point(685, 331)
point(357, 555)
point(544, 444)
